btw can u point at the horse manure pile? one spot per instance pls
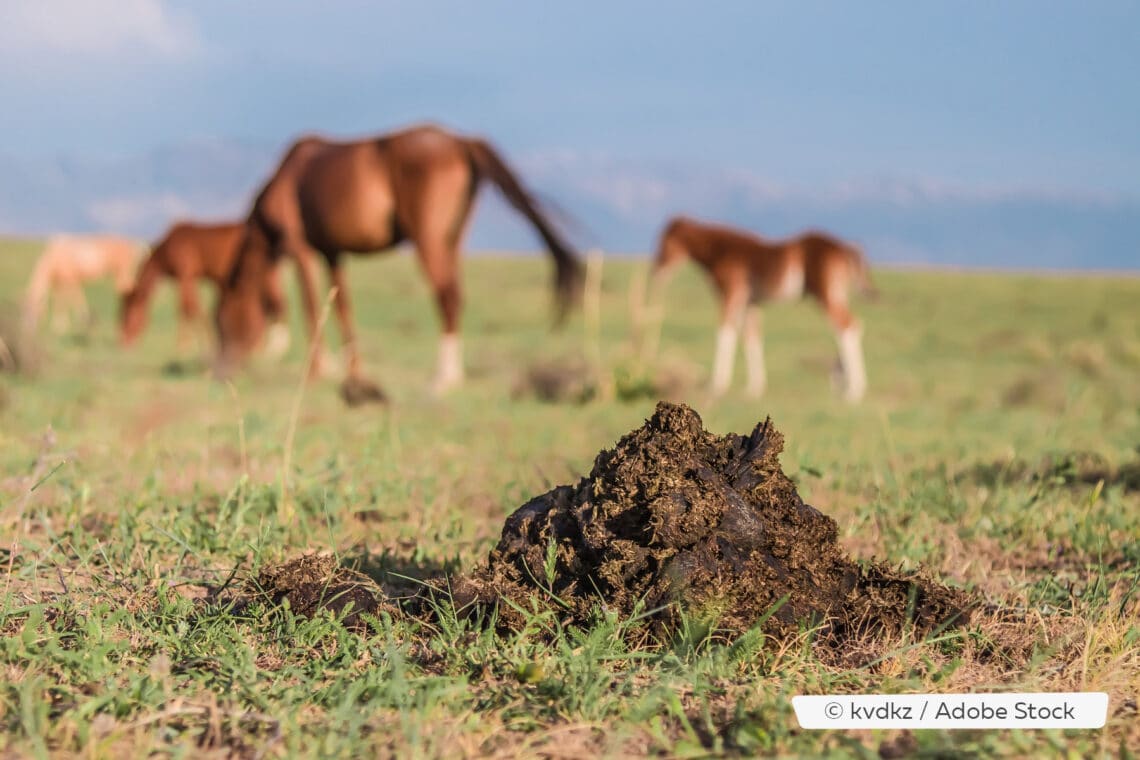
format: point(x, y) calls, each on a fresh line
point(314, 583)
point(575, 381)
point(356, 391)
point(674, 519)
point(558, 381)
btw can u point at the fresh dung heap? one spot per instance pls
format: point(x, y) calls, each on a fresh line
point(673, 519)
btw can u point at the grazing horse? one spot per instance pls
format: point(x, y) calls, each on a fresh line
point(66, 263)
point(747, 271)
point(187, 253)
point(326, 197)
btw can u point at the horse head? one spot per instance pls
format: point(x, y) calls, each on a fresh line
point(240, 318)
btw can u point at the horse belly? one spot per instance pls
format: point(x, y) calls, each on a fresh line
point(784, 284)
point(355, 213)
point(90, 260)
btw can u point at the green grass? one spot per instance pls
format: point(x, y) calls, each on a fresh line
point(154, 487)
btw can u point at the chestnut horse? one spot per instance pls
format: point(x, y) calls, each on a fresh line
point(747, 271)
point(326, 198)
point(187, 253)
point(69, 261)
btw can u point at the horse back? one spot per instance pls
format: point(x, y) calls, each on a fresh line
point(191, 249)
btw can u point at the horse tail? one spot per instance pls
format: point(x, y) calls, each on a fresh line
point(568, 279)
point(862, 270)
point(39, 288)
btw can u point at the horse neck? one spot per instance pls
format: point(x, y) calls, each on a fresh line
point(251, 263)
point(147, 279)
point(698, 245)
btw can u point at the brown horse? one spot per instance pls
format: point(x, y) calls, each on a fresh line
point(187, 253)
point(326, 197)
point(67, 263)
point(747, 271)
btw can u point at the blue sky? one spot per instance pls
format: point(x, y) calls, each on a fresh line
point(987, 95)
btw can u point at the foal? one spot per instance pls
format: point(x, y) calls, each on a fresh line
point(65, 265)
point(748, 271)
point(190, 252)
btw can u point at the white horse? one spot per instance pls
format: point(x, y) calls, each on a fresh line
point(65, 265)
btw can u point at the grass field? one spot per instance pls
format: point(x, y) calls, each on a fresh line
point(998, 447)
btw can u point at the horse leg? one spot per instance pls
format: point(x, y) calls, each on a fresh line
point(849, 337)
point(277, 339)
point(449, 371)
point(60, 307)
point(441, 263)
point(81, 307)
point(732, 309)
point(355, 389)
point(343, 307)
point(307, 278)
point(69, 304)
point(754, 352)
point(190, 311)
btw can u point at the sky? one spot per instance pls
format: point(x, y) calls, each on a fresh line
point(981, 98)
point(962, 133)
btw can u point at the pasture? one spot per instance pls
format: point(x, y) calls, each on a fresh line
point(997, 446)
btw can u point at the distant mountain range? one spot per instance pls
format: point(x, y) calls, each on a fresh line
point(618, 205)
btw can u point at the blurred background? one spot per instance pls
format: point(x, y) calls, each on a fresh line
point(998, 445)
point(1005, 136)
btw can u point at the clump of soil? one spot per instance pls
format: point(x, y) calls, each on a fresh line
point(179, 368)
point(314, 583)
point(356, 391)
point(674, 518)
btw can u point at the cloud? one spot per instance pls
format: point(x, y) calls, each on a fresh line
point(86, 28)
point(639, 188)
point(133, 213)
